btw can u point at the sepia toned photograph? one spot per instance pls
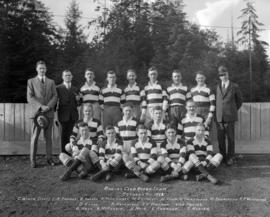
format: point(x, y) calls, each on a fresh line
point(150, 108)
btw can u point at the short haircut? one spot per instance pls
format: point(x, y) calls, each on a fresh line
point(111, 72)
point(153, 68)
point(109, 127)
point(82, 124)
point(157, 108)
point(127, 105)
point(131, 70)
point(222, 68)
point(66, 70)
point(177, 71)
point(200, 73)
point(89, 105)
point(171, 125)
point(40, 62)
point(89, 69)
point(141, 127)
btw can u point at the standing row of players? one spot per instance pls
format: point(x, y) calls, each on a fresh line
point(174, 148)
point(172, 100)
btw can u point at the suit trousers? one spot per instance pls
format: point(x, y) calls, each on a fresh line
point(66, 131)
point(226, 129)
point(34, 140)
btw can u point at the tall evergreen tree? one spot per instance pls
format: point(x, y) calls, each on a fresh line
point(27, 35)
point(74, 45)
point(258, 64)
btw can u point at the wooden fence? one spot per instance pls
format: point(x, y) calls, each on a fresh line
point(15, 131)
point(252, 130)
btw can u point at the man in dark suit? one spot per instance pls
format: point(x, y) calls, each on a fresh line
point(228, 101)
point(42, 96)
point(68, 99)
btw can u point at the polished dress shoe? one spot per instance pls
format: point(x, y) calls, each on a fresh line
point(50, 162)
point(33, 164)
point(230, 162)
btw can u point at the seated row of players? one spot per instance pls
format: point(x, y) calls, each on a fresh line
point(171, 99)
point(143, 150)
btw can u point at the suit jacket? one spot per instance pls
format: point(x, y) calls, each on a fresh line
point(228, 103)
point(39, 94)
point(67, 104)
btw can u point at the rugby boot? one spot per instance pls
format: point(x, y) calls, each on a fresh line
point(68, 173)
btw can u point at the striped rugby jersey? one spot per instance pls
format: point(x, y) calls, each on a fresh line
point(153, 95)
point(95, 129)
point(203, 149)
point(204, 97)
point(87, 143)
point(175, 152)
point(187, 126)
point(133, 94)
point(111, 96)
point(178, 95)
point(127, 130)
point(90, 94)
point(107, 151)
point(157, 132)
point(144, 152)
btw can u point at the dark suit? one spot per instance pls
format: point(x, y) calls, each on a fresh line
point(227, 104)
point(67, 111)
point(39, 94)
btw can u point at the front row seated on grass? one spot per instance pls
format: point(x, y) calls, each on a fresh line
point(201, 157)
point(110, 155)
point(175, 160)
point(83, 154)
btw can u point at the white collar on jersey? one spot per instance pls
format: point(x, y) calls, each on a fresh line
point(131, 86)
point(93, 83)
point(200, 87)
point(178, 86)
point(153, 84)
point(127, 121)
point(112, 87)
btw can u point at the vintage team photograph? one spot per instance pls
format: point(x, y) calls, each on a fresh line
point(138, 108)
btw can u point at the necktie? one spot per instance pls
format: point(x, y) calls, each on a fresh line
point(223, 88)
point(43, 90)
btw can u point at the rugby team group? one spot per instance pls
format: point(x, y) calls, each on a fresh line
point(143, 130)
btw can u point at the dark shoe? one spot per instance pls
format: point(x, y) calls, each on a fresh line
point(166, 178)
point(144, 177)
point(130, 175)
point(33, 164)
point(212, 179)
point(230, 162)
point(66, 176)
point(98, 175)
point(83, 174)
point(68, 173)
point(108, 177)
point(184, 177)
point(50, 162)
point(200, 177)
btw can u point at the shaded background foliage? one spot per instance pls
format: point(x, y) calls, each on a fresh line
point(132, 34)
